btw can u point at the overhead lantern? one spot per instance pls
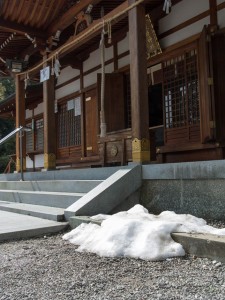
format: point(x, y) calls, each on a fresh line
point(16, 66)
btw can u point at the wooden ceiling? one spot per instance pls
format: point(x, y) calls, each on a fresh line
point(26, 25)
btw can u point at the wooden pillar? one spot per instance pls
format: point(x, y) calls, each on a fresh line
point(82, 99)
point(49, 124)
point(20, 121)
point(139, 88)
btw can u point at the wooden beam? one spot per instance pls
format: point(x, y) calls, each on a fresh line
point(68, 18)
point(21, 29)
point(96, 29)
point(93, 30)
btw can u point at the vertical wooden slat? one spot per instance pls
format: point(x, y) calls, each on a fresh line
point(205, 88)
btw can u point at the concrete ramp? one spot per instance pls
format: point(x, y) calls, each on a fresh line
point(109, 194)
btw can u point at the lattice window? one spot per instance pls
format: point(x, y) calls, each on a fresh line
point(39, 134)
point(69, 125)
point(35, 138)
point(181, 96)
point(29, 139)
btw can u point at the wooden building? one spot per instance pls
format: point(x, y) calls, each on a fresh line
point(111, 82)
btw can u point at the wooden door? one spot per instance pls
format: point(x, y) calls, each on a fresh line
point(91, 123)
point(114, 101)
point(206, 88)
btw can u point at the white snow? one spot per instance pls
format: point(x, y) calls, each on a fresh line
point(138, 234)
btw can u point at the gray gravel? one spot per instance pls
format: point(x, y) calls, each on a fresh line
point(50, 268)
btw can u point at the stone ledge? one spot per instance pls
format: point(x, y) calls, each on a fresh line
point(202, 245)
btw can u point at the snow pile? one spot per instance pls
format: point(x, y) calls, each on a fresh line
point(138, 234)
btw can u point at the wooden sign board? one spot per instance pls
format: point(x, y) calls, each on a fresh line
point(44, 74)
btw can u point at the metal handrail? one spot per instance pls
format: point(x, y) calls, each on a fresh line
point(19, 130)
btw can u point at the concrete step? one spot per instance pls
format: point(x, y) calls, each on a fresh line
point(74, 174)
point(16, 226)
point(43, 212)
point(52, 199)
point(69, 186)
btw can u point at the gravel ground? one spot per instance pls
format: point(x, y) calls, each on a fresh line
point(50, 268)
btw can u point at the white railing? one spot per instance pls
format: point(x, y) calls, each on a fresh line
point(19, 130)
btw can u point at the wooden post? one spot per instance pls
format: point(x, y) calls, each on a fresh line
point(139, 91)
point(83, 130)
point(49, 124)
point(20, 121)
point(213, 14)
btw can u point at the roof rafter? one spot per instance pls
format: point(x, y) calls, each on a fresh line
point(21, 29)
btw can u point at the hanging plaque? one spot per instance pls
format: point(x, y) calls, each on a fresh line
point(77, 107)
point(70, 104)
point(44, 74)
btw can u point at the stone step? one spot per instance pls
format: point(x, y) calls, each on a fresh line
point(15, 226)
point(80, 174)
point(52, 199)
point(43, 212)
point(70, 186)
point(78, 220)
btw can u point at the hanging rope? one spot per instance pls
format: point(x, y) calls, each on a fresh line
point(167, 5)
point(26, 81)
point(57, 65)
point(2, 60)
point(52, 68)
point(6, 42)
point(109, 27)
point(33, 40)
point(78, 39)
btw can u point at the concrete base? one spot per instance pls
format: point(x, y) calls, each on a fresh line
point(196, 188)
point(203, 198)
